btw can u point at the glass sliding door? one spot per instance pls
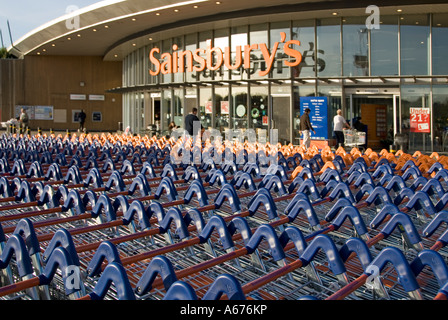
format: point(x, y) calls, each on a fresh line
point(281, 112)
point(415, 97)
point(334, 95)
point(440, 119)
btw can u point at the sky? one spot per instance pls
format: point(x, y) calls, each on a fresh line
point(27, 15)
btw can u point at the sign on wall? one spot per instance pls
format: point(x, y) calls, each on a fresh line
point(78, 97)
point(420, 120)
point(43, 113)
point(96, 97)
point(35, 112)
point(318, 115)
point(75, 116)
point(97, 116)
point(213, 58)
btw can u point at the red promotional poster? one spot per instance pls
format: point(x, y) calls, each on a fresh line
point(420, 120)
point(224, 107)
point(265, 120)
point(208, 107)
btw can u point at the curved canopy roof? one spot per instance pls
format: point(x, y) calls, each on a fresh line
point(113, 28)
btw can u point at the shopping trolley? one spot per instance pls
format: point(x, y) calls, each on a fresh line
point(354, 138)
point(328, 206)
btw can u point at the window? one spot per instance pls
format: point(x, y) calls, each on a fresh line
point(222, 114)
point(165, 117)
point(205, 103)
point(167, 47)
point(205, 40)
point(258, 34)
point(238, 38)
point(355, 47)
point(190, 45)
point(179, 42)
point(304, 32)
point(221, 41)
point(329, 47)
point(258, 107)
point(178, 107)
point(239, 100)
point(280, 69)
point(384, 47)
point(414, 44)
point(440, 44)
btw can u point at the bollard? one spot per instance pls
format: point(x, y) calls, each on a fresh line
point(392, 148)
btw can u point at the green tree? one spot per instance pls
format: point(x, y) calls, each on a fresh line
point(4, 54)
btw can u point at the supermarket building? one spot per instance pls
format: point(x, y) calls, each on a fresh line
point(243, 64)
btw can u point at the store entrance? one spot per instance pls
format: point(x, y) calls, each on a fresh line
point(374, 115)
point(153, 115)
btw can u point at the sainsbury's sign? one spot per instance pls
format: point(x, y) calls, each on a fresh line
point(213, 58)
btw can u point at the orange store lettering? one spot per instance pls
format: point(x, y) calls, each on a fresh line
point(213, 58)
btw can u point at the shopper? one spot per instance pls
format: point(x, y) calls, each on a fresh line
point(171, 128)
point(82, 119)
point(190, 119)
point(339, 124)
point(306, 128)
point(23, 119)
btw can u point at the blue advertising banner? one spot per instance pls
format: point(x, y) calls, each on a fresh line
point(318, 115)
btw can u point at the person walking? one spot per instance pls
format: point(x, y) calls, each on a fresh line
point(339, 124)
point(23, 119)
point(190, 119)
point(306, 128)
point(82, 120)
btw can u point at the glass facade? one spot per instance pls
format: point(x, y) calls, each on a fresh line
point(384, 51)
point(415, 44)
point(356, 47)
point(337, 54)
